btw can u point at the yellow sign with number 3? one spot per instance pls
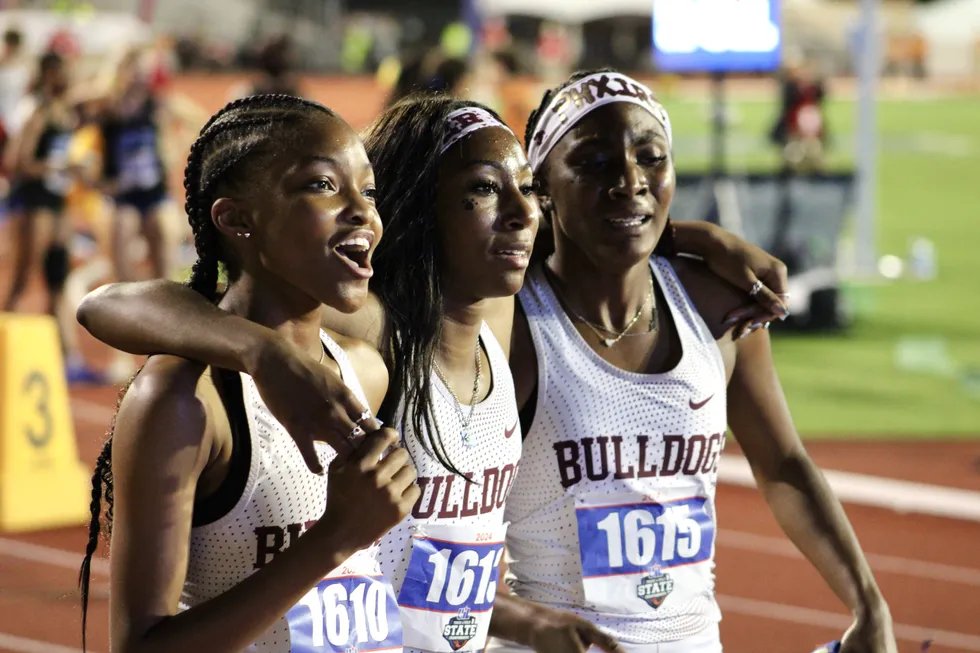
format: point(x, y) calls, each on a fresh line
point(42, 482)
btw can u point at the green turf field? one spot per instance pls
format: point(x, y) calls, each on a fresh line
point(929, 185)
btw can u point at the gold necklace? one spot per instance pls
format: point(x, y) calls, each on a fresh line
point(467, 437)
point(599, 329)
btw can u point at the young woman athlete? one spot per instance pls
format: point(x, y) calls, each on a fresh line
point(132, 169)
point(628, 378)
point(39, 163)
point(222, 539)
point(459, 228)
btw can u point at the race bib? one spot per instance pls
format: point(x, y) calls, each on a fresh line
point(57, 180)
point(351, 610)
point(447, 597)
point(138, 165)
point(638, 554)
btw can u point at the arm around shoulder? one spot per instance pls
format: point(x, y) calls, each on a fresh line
point(160, 316)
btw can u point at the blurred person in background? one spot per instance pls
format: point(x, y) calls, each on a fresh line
point(15, 75)
point(431, 72)
point(38, 160)
point(800, 130)
point(276, 61)
point(133, 171)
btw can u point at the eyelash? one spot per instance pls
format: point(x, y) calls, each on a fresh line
point(322, 185)
point(486, 187)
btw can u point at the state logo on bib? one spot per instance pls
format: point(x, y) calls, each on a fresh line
point(351, 610)
point(450, 585)
point(639, 554)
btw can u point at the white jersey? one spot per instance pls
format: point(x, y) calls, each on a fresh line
point(442, 559)
point(613, 514)
point(280, 501)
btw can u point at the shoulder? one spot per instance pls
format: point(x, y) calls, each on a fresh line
point(170, 405)
point(713, 297)
point(368, 364)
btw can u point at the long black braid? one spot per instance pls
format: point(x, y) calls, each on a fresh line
point(238, 132)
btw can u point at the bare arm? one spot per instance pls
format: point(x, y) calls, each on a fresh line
point(23, 160)
point(545, 629)
point(798, 495)
point(163, 441)
point(741, 264)
point(151, 317)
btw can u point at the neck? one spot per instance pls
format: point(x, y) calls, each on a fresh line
point(461, 324)
point(602, 295)
point(295, 316)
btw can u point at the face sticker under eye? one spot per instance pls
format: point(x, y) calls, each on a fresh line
point(469, 204)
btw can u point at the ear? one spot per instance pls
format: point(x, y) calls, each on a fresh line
point(230, 219)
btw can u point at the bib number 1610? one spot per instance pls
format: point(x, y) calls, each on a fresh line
point(343, 612)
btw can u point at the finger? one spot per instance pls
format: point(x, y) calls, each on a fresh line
point(369, 451)
point(742, 313)
point(591, 634)
point(307, 449)
point(391, 462)
point(769, 300)
point(777, 277)
point(403, 479)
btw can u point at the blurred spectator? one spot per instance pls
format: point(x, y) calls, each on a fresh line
point(800, 130)
point(15, 75)
point(275, 62)
point(434, 72)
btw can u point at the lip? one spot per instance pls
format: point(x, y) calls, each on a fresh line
point(628, 223)
point(516, 253)
point(358, 264)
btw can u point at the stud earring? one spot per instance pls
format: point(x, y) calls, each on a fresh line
point(244, 234)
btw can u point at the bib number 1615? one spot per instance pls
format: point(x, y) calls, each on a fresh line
point(636, 537)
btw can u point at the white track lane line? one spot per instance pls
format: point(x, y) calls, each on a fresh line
point(49, 555)
point(25, 645)
point(891, 564)
point(900, 496)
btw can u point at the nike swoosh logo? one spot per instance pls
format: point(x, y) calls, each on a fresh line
point(699, 404)
point(509, 432)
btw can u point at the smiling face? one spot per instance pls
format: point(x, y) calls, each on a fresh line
point(610, 181)
point(486, 214)
point(311, 207)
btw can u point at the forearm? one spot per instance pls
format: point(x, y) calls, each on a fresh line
point(153, 317)
point(236, 618)
point(809, 513)
point(698, 237)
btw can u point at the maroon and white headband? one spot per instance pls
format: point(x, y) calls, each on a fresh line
point(577, 100)
point(466, 120)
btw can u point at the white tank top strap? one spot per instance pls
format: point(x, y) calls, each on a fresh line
point(347, 372)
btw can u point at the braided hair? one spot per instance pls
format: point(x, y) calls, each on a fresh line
point(232, 139)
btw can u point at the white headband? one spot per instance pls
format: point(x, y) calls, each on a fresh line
point(463, 122)
point(577, 100)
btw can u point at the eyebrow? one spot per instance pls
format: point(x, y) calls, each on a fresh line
point(493, 164)
point(319, 158)
point(641, 138)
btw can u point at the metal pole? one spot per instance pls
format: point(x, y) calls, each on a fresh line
point(718, 167)
point(868, 65)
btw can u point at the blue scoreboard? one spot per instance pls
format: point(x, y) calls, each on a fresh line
point(718, 36)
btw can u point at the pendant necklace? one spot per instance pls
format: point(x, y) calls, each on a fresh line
point(468, 439)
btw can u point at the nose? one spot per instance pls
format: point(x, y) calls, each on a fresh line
point(360, 210)
point(520, 211)
point(631, 182)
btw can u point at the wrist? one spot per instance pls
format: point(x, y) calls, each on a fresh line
point(332, 545)
point(253, 348)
